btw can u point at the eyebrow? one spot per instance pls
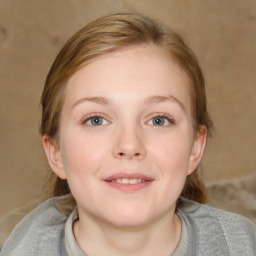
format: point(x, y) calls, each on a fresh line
point(160, 99)
point(98, 100)
point(148, 100)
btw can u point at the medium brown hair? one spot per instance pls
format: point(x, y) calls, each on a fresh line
point(111, 33)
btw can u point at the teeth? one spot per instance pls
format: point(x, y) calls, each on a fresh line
point(128, 181)
point(133, 181)
point(125, 181)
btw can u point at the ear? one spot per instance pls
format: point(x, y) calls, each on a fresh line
point(54, 157)
point(197, 149)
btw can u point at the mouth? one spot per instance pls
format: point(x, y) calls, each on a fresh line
point(129, 183)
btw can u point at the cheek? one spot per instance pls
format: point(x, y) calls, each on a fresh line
point(82, 154)
point(173, 163)
point(83, 158)
point(172, 154)
point(170, 157)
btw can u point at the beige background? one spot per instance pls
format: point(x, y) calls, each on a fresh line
point(223, 35)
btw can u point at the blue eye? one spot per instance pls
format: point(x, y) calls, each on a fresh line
point(96, 121)
point(160, 121)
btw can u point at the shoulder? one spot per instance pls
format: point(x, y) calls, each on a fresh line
point(231, 232)
point(41, 232)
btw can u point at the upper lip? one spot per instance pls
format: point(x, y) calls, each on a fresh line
point(123, 175)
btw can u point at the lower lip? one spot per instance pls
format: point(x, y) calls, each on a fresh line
point(129, 188)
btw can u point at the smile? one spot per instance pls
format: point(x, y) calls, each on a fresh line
point(128, 182)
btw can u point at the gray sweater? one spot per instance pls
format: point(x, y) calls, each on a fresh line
point(208, 232)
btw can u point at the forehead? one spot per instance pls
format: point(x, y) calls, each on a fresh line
point(136, 71)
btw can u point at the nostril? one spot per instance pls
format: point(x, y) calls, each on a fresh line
point(122, 154)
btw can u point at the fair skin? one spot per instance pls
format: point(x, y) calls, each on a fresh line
point(127, 118)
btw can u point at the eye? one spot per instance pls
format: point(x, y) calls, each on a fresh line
point(160, 121)
point(95, 121)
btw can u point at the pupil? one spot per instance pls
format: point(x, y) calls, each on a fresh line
point(96, 121)
point(159, 121)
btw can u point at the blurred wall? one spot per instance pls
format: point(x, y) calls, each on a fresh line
point(221, 32)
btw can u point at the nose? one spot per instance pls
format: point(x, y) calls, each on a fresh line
point(129, 144)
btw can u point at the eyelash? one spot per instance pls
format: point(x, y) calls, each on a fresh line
point(90, 117)
point(169, 119)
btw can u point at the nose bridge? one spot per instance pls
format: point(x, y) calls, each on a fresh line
point(129, 142)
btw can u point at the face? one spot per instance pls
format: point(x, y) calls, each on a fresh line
point(126, 137)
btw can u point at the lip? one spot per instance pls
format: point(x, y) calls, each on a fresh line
point(129, 188)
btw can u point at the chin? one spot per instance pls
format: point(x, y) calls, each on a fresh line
point(129, 219)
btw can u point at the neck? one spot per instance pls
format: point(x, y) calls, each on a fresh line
point(160, 237)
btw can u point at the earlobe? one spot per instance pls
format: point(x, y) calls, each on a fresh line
point(54, 156)
point(198, 149)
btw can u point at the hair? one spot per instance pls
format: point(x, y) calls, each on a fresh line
point(104, 35)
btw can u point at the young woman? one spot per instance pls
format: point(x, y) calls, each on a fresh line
point(124, 126)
